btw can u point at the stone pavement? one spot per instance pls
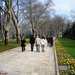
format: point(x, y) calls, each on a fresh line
point(16, 62)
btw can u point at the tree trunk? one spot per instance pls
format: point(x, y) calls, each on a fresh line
point(7, 32)
point(16, 27)
point(6, 38)
point(33, 29)
point(17, 30)
point(2, 25)
point(18, 34)
point(8, 22)
point(3, 36)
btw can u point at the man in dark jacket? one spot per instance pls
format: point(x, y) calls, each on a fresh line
point(51, 41)
point(32, 41)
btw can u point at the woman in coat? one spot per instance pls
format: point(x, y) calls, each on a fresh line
point(23, 41)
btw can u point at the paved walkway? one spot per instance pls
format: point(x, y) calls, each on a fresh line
point(16, 62)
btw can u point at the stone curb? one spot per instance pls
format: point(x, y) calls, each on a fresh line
point(56, 61)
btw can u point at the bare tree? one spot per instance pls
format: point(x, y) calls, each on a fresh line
point(7, 10)
point(16, 26)
point(10, 15)
point(72, 14)
point(59, 23)
point(36, 13)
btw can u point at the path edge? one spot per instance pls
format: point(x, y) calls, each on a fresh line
point(55, 58)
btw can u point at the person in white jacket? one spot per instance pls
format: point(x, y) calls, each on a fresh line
point(43, 43)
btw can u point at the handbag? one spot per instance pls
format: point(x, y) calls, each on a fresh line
point(25, 44)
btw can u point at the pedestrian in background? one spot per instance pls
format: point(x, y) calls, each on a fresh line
point(48, 41)
point(51, 41)
point(32, 41)
point(23, 41)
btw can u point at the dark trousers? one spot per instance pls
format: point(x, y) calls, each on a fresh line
point(32, 46)
point(23, 48)
point(51, 44)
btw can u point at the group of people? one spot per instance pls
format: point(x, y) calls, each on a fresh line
point(38, 42)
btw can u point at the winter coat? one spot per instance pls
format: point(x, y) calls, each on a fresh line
point(32, 40)
point(23, 42)
point(43, 42)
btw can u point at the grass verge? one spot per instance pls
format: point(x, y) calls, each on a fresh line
point(69, 45)
point(64, 59)
point(12, 43)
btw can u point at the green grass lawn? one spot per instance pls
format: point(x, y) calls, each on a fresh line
point(69, 45)
point(12, 43)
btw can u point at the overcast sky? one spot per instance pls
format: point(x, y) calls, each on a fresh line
point(63, 6)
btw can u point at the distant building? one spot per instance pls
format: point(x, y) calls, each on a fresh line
point(60, 33)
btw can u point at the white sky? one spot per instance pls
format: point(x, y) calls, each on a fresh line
point(63, 6)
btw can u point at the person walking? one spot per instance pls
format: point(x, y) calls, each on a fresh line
point(48, 41)
point(52, 41)
point(32, 41)
point(23, 41)
point(43, 43)
point(37, 42)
